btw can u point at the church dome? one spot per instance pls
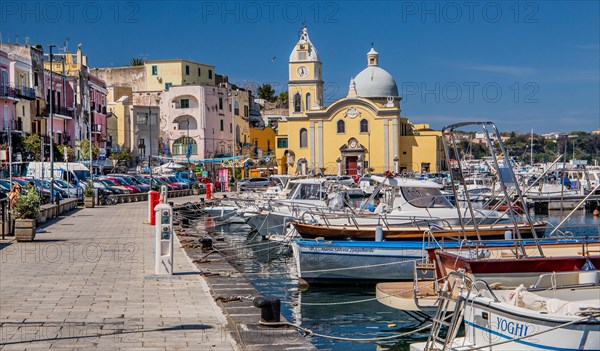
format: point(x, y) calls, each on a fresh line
point(374, 81)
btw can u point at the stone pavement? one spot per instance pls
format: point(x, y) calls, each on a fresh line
point(88, 284)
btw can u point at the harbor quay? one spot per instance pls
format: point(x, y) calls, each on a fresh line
point(87, 282)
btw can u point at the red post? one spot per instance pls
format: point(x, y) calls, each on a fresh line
point(208, 191)
point(153, 199)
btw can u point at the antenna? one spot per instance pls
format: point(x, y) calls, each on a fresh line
point(16, 39)
point(27, 41)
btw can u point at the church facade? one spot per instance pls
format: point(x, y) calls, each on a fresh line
point(360, 133)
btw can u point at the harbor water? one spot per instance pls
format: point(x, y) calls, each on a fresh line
point(341, 312)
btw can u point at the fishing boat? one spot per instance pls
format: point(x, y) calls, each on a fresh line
point(494, 262)
point(356, 262)
point(355, 231)
point(553, 317)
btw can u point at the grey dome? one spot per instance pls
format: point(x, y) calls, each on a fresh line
point(374, 81)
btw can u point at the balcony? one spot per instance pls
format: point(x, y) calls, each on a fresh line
point(7, 92)
point(25, 92)
point(58, 111)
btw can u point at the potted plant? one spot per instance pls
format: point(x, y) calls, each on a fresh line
point(196, 188)
point(26, 211)
point(88, 201)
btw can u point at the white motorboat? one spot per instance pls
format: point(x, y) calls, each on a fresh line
point(545, 318)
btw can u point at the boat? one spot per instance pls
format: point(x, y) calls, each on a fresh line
point(321, 262)
point(415, 231)
point(518, 263)
point(553, 317)
point(494, 262)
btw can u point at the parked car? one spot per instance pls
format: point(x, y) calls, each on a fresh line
point(110, 186)
point(346, 179)
point(144, 188)
point(71, 190)
point(254, 183)
point(123, 183)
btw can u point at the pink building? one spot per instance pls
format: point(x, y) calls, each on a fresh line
point(97, 93)
point(8, 98)
point(60, 89)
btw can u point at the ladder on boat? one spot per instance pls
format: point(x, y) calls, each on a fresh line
point(445, 325)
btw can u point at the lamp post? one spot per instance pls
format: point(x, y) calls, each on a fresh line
point(51, 127)
point(90, 127)
point(232, 137)
point(189, 145)
point(149, 121)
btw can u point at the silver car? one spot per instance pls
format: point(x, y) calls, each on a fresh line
point(254, 183)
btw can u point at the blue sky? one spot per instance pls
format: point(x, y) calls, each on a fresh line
point(522, 65)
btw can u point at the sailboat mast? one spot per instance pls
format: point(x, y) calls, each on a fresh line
point(531, 147)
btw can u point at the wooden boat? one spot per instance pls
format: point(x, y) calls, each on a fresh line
point(496, 264)
point(486, 231)
point(516, 264)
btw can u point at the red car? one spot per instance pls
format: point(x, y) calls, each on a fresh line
point(176, 186)
point(122, 182)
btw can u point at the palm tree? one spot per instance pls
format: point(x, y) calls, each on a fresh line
point(136, 62)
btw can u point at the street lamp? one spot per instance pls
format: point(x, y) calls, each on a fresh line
point(189, 145)
point(149, 122)
point(51, 127)
point(232, 136)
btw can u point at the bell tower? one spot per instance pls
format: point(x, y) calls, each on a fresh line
point(305, 84)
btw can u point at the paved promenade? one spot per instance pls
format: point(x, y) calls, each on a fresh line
point(88, 284)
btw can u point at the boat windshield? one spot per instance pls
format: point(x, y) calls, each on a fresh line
point(302, 191)
point(425, 197)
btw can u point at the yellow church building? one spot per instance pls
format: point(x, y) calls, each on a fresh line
point(360, 133)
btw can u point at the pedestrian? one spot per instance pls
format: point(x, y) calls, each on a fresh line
point(13, 197)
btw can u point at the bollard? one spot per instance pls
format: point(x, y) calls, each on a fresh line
point(270, 309)
point(208, 193)
point(185, 222)
point(153, 200)
point(206, 243)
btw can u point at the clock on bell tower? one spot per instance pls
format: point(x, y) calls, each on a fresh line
point(305, 85)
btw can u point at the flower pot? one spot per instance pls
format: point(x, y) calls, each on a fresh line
point(88, 202)
point(25, 229)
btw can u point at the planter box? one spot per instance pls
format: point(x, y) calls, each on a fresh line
point(25, 229)
point(88, 202)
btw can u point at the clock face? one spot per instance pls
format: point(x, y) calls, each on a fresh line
point(302, 71)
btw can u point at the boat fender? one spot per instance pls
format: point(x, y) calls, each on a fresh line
point(378, 233)
point(270, 308)
point(508, 234)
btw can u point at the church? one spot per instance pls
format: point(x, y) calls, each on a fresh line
point(357, 134)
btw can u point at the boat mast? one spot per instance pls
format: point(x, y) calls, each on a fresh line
point(531, 148)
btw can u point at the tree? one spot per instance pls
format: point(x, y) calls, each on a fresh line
point(85, 150)
point(61, 153)
point(123, 155)
point(282, 99)
point(32, 146)
point(266, 92)
point(136, 62)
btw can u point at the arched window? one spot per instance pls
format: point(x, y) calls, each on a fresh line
point(303, 137)
point(341, 127)
point(364, 126)
point(183, 144)
point(297, 102)
point(307, 101)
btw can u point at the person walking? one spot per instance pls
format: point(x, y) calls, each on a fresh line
point(13, 197)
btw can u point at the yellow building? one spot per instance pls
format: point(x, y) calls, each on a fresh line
point(162, 74)
point(119, 125)
point(355, 134)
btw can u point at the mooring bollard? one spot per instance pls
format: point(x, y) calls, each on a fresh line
point(270, 309)
point(206, 243)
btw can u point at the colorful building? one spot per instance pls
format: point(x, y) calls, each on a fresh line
point(355, 134)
